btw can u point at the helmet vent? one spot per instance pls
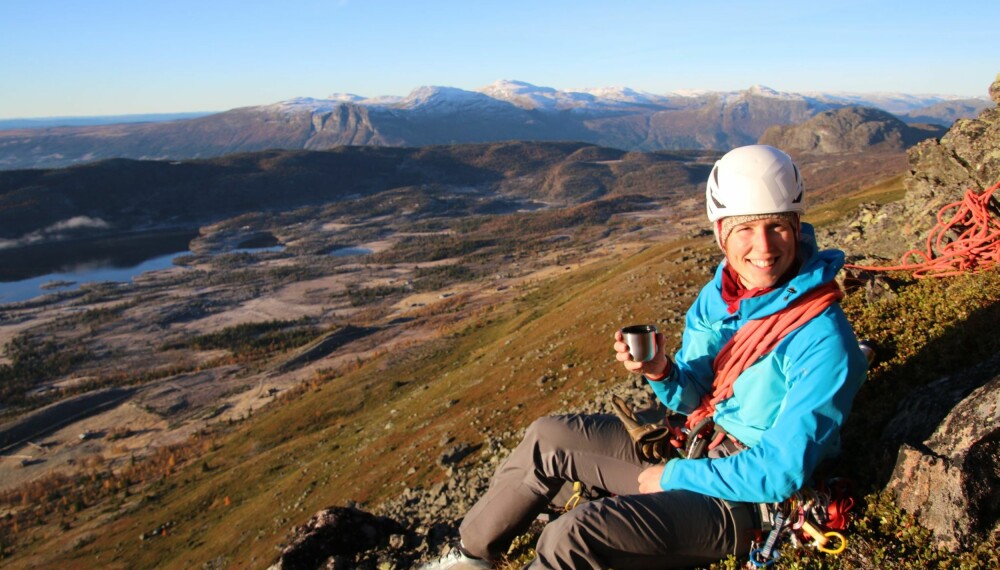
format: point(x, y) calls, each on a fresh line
point(717, 203)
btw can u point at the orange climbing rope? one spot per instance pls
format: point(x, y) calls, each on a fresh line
point(756, 338)
point(974, 234)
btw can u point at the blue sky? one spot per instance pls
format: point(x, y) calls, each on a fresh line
point(109, 57)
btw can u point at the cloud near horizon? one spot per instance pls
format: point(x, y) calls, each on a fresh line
point(76, 223)
point(56, 231)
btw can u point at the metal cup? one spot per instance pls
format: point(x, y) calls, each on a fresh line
point(641, 341)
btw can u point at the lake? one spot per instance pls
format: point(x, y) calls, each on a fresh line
point(29, 271)
point(72, 278)
point(350, 251)
point(35, 270)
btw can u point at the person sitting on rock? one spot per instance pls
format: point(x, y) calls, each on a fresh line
point(766, 352)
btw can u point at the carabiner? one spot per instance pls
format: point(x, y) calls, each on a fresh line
point(836, 550)
point(759, 564)
point(574, 500)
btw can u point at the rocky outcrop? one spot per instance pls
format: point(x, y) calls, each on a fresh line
point(852, 129)
point(951, 481)
point(343, 537)
point(941, 170)
point(947, 471)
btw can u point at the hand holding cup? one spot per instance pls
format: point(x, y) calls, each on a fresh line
point(640, 349)
point(641, 341)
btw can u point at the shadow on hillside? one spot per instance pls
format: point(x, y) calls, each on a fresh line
point(906, 404)
point(43, 421)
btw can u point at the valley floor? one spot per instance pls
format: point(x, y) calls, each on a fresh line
point(175, 392)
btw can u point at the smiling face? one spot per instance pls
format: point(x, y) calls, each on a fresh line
point(761, 251)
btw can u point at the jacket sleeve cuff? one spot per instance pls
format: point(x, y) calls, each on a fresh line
point(663, 375)
point(668, 471)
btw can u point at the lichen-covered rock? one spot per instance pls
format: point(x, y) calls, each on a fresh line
point(951, 482)
point(995, 90)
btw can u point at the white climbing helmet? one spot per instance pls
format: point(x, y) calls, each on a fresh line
point(754, 179)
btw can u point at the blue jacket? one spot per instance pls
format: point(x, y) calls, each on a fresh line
point(788, 407)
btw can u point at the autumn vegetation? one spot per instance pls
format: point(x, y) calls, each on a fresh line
point(228, 495)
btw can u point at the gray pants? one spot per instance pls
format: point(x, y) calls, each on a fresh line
point(629, 530)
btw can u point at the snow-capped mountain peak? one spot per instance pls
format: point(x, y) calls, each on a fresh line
point(306, 104)
point(504, 93)
point(622, 95)
point(528, 96)
point(438, 99)
point(763, 91)
point(507, 88)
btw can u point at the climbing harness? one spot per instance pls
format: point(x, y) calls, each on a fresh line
point(810, 516)
point(966, 239)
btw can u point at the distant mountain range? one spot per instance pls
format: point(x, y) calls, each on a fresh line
point(93, 121)
point(118, 196)
point(506, 110)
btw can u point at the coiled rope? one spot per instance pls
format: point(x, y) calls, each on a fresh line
point(966, 238)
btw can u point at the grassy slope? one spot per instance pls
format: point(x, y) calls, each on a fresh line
point(293, 459)
point(355, 437)
point(883, 192)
